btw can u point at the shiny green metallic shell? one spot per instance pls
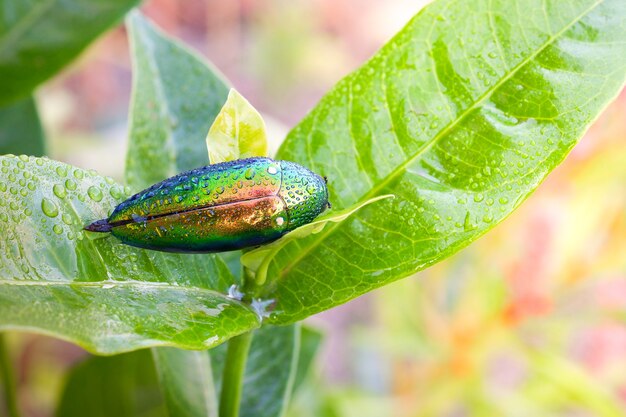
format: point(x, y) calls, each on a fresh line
point(220, 207)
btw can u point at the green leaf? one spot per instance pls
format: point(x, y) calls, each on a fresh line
point(176, 96)
point(20, 129)
point(310, 342)
point(238, 131)
point(270, 370)
point(39, 37)
point(187, 382)
point(99, 293)
point(460, 116)
point(258, 260)
point(122, 386)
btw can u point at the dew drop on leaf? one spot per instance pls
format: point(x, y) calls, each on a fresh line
point(94, 193)
point(70, 185)
point(115, 192)
point(49, 208)
point(59, 190)
point(61, 171)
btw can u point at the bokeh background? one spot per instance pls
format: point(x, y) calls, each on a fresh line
point(529, 320)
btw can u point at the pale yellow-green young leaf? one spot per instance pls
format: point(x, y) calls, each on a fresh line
point(257, 260)
point(238, 131)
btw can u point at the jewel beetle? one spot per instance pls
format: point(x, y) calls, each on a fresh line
point(220, 207)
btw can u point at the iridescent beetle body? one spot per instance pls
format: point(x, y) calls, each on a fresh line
point(220, 207)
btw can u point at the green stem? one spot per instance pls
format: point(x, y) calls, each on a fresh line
point(232, 382)
point(8, 379)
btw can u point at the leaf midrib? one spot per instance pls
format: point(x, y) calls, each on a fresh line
point(24, 23)
point(109, 285)
point(429, 144)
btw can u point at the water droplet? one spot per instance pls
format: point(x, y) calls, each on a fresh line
point(115, 192)
point(478, 197)
point(489, 202)
point(3, 187)
point(272, 170)
point(94, 193)
point(67, 219)
point(61, 171)
point(493, 55)
point(488, 218)
point(23, 158)
point(78, 174)
point(20, 165)
point(28, 211)
point(57, 229)
point(59, 190)
point(49, 208)
point(249, 174)
point(280, 221)
point(70, 185)
point(219, 190)
point(461, 201)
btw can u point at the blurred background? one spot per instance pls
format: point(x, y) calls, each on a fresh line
point(529, 320)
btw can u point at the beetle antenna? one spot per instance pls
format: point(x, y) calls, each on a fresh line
point(325, 179)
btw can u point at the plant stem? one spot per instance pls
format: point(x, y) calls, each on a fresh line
point(232, 382)
point(8, 380)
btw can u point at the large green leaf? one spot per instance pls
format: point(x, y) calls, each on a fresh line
point(187, 382)
point(270, 370)
point(460, 116)
point(121, 386)
point(310, 342)
point(99, 293)
point(39, 37)
point(176, 96)
point(20, 129)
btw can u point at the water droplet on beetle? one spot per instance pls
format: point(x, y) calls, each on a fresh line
point(249, 174)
